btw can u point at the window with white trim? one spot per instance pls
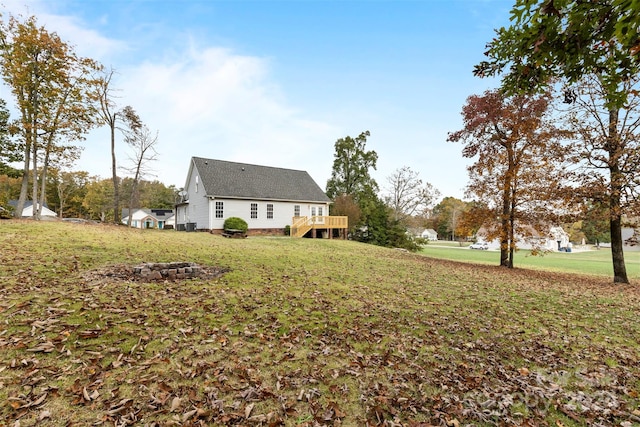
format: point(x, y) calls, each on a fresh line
point(254, 210)
point(296, 210)
point(269, 211)
point(313, 211)
point(219, 209)
point(319, 211)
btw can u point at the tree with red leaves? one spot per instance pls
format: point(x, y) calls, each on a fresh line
point(518, 169)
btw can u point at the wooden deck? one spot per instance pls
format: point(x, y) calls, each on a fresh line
point(301, 225)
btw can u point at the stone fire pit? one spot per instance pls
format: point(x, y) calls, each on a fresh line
point(155, 272)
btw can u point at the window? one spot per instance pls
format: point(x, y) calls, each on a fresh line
point(219, 209)
point(254, 210)
point(197, 180)
point(269, 211)
point(296, 210)
point(320, 211)
point(313, 211)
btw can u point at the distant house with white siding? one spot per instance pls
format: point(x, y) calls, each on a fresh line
point(149, 218)
point(268, 198)
point(27, 210)
point(429, 234)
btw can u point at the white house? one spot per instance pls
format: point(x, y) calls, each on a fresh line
point(149, 218)
point(267, 198)
point(556, 240)
point(429, 234)
point(27, 211)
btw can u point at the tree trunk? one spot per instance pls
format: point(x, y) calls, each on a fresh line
point(512, 225)
point(617, 253)
point(615, 210)
point(24, 186)
point(504, 233)
point(43, 179)
point(34, 185)
point(114, 174)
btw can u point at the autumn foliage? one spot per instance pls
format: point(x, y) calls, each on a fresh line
point(517, 170)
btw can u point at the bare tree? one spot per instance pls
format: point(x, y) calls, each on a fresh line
point(142, 143)
point(408, 195)
point(112, 117)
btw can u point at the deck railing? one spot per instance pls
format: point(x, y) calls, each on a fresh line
point(300, 225)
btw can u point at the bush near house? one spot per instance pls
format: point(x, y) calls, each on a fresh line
point(235, 223)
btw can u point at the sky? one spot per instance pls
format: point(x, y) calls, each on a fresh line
point(277, 83)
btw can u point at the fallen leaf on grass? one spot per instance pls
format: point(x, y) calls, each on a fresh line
point(248, 409)
point(45, 347)
point(175, 404)
point(188, 415)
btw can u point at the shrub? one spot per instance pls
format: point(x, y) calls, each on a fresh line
point(5, 213)
point(235, 223)
point(287, 230)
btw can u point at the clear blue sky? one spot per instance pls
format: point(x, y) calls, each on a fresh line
point(278, 82)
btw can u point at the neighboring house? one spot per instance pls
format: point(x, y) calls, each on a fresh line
point(631, 238)
point(556, 240)
point(267, 198)
point(149, 218)
point(27, 211)
point(429, 234)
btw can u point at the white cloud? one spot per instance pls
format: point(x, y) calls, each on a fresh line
point(205, 101)
point(88, 42)
point(211, 102)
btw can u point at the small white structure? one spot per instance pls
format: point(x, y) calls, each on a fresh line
point(560, 237)
point(429, 234)
point(44, 212)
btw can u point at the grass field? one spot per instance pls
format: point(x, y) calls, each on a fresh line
point(596, 262)
point(302, 332)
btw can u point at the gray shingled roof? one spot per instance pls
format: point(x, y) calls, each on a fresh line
point(239, 180)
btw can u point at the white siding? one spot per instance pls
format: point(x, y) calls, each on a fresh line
point(282, 212)
point(201, 209)
point(197, 210)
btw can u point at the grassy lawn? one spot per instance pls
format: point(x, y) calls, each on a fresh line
point(596, 262)
point(302, 332)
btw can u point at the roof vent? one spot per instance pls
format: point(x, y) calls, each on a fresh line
point(243, 168)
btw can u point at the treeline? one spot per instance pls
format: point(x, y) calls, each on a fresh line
point(80, 195)
point(59, 97)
